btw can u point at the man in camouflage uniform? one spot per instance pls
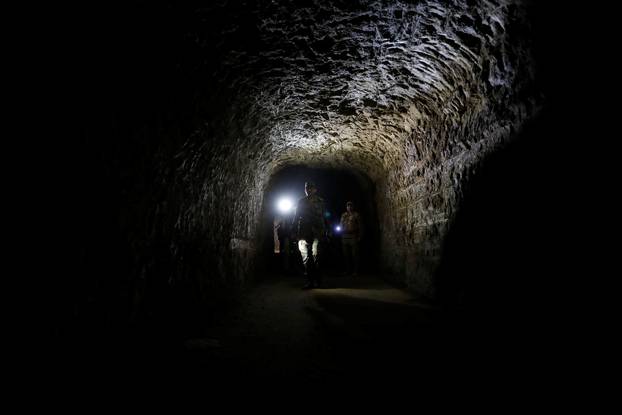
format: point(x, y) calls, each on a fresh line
point(352, 228)
point(310, 227)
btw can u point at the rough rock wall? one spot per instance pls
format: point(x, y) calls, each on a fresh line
point(413, 94)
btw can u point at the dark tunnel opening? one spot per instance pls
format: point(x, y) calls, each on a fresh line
point(336, 187)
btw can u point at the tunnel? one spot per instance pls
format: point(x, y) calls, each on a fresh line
point(192, 119)
point(337, 187)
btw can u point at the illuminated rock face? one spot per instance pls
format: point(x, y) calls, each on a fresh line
point(412, 95)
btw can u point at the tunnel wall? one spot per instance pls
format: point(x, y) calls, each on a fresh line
point(212, 194)
point(192, 109)
point(420, 199)
point(417, 121)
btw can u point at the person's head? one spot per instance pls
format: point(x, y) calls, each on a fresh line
point(350, 206)
point(310, 188)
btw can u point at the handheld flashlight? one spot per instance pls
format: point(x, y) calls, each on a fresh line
point(284, 205)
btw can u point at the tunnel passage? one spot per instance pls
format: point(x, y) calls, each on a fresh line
point(220, 97)
point(336, 187)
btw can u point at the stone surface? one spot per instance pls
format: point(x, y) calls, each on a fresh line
point(223, 96)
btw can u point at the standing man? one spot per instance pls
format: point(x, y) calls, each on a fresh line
point(310, 227)
point(352, 229)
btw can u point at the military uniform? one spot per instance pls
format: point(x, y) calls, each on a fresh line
point(310, 227)
point(351, 234)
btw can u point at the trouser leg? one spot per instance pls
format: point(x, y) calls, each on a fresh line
point(350, 253)
point(307, 259)
point(345, 249)
point(315, 251)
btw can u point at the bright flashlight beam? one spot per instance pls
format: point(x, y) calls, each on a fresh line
point(285, 205)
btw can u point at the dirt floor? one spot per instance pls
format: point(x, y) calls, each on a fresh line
point(359, 332)
point(350, 328)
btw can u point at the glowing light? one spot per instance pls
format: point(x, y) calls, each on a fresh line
point(285, 205)
point(338, 228)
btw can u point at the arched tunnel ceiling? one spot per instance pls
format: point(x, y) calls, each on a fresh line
point(358, 82)
point(196, 105)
